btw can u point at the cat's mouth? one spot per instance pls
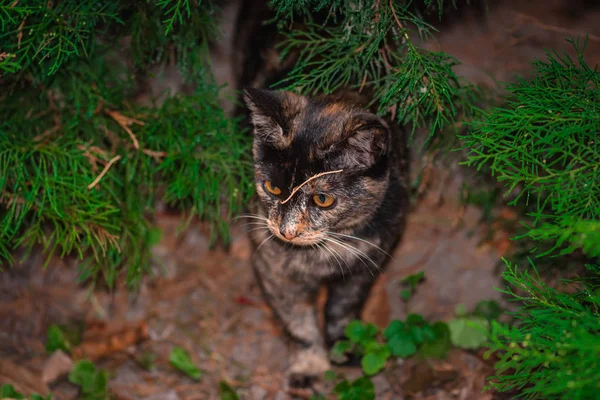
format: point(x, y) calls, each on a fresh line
point(305, 238)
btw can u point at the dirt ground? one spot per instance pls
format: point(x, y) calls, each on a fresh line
point(206, 300)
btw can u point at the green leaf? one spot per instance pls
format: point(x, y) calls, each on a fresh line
point(355, 331)
point(405, 294)
point(360, 333)
point(417, 334)
point(375, 361)
point(330, 375)
point(40, 397)
point(83, 374)
point(395, 328)
point(340, 348)
point(415, 320)
point(412, 281)
point(342, 387)
point(439, 344)
point(227, 393)
point(468, 333)
point(8, 391)
point(181, 360)
point(361, 389)
point(402, 346)
point(56, 340)
point(93, 383)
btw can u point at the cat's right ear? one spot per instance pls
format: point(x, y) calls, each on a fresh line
point(268, 115)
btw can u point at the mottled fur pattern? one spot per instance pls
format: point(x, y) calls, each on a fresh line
point(299, 245)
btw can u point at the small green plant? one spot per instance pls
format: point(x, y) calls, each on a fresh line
point(410, 284)
point(92, 382)
point(226, 392)
point(181, 360)
point(400, 339)
point(360, 389)
point(468, 330)
point(56, 340)
point(414, 337)
point(9, 392)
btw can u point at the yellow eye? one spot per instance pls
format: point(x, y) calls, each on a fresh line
point(323, 200)
point(272, 189)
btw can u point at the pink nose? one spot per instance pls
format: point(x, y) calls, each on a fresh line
point(288, 234)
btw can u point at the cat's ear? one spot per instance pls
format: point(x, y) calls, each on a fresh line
point(368, 140)
point(271, 113)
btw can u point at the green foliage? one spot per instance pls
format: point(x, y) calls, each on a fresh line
point(92, 382)
point(468, 333)
point(553, 350)
point(226, 392)
point(91, 161)
point(56, 340)
point(8, 392)
point(410, 284)
point(371, 48)
point(181, 360)
point(359, 389)
point(415, 336)
point(543, 145)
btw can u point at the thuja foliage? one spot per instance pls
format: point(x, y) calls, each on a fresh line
point(82, 164)
point(553, 350)
point(373, 46)
point(543, 144)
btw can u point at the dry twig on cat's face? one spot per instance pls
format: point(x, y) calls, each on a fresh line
point(308, 180)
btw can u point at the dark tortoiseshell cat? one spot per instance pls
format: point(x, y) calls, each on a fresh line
point(337, 228)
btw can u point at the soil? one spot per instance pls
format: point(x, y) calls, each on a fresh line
point(206, 301)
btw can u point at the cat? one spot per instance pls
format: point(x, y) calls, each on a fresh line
point(332, 196)
point(337, 229)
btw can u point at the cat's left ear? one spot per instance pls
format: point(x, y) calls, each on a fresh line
point(271, 113)
point(368, 140)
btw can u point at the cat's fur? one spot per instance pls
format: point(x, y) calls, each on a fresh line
point(295, 138)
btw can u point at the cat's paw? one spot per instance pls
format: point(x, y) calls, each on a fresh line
point(307, 367)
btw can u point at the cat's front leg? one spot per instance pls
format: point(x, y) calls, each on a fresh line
point(293, 303)
point(345, 300)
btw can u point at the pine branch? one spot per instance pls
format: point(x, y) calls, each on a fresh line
point(372, 49)
point(553, 350)
point(544, 144)
point(91, 163)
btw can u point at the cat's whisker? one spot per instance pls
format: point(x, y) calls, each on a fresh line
point(339, 235)
point(260, 227)
point(319, 246)
point(263, 242)
point(349, 246)
point(255, 223)
point(252, 216)
point(358, 253)
point(350, 250)
point(331, 251)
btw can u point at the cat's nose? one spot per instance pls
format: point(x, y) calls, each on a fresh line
point(289, 234)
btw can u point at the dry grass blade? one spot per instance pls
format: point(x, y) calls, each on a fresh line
point(308, 180)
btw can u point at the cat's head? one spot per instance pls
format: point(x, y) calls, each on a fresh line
point(296, 138)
